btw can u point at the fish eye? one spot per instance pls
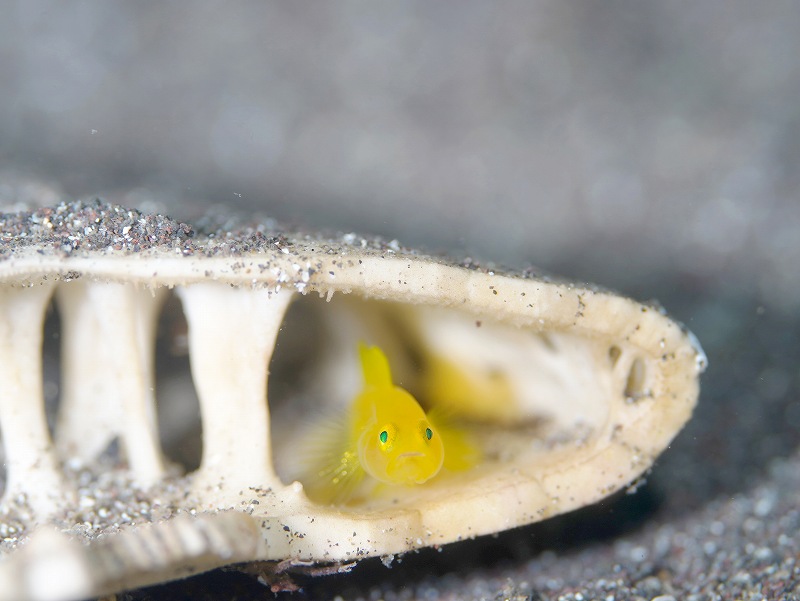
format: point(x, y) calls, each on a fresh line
point(386, 436)
point(428, 433)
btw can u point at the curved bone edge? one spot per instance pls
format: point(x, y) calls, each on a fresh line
point(33, 475)
point(56, 567)
point(621, 453)
point(108, 339)
point(51, 567)
point(232, 334)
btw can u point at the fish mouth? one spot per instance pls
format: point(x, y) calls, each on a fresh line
point(409, 454)
point(410, 468)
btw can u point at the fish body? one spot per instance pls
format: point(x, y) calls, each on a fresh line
point(386, 436)
point(395, 440)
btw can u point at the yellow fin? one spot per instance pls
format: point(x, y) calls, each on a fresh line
point(332, 472)
point(375, 366)
point(461, 453)
point(482, 395)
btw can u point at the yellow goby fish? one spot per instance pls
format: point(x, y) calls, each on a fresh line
point(387, 436)
point(394, 440)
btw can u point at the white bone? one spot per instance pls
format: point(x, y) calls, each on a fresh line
point(232, 335)
point(108, 338)
point(31, 464)
point(624, 375)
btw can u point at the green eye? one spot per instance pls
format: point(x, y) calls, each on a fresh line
point(428, 433)
point(384, 436)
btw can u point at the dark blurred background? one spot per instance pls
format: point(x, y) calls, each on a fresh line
point(602, 136)
point(651, 147)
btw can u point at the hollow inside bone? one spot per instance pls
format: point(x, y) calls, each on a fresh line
point(541, 396)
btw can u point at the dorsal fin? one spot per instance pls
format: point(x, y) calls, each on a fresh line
point(375, 366)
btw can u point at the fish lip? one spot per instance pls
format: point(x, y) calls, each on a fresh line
point(410, 454)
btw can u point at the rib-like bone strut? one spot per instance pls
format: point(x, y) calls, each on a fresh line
point(232, 334)
point(31, 464)
point(107, 359)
